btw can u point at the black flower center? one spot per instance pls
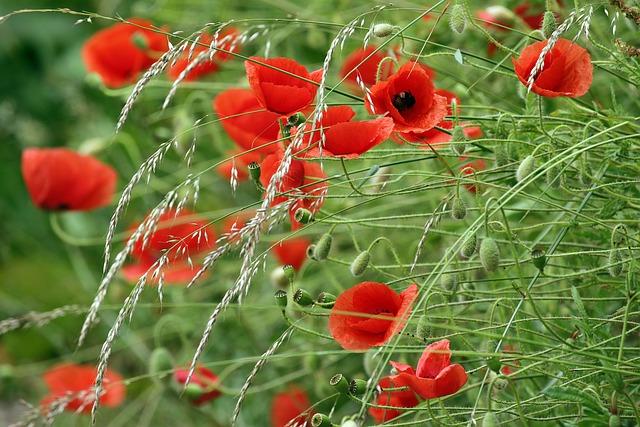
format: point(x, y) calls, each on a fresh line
point(403, 101)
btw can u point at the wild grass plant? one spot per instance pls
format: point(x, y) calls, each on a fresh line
point(516, 217)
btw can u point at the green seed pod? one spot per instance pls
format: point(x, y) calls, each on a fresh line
point(489, 254)
point(469, 247)
point(615, 269)
point(193, 391)
point(553, 177)
point(326, 300)
point(526, 168)
point(458, 18)
point(303, 216)
point(302, 297)
point(281, 299)
point(490, 420)
point(321, 251)
point(548, 24)
point(458, 208)
point(357, 387)
point(615, 421)
point(320, 420)
point(360, 263)
point(422, 329)
point(289, 272)
point(254, 171)
point(296, 120)
point(383, 30)
point(458, 138)
point(160, 362)
point(539, 259)
point(501, 155)
point(339, 383)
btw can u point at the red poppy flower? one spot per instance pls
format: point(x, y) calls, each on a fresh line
point(241, 161)
point(245, 121)
point(304, 181)
point(203, 377)
point(507, 370)
point(226, 40)
point(181, 237)
point(344, 138)
point(61, 179)
point(434, 376)
point(355, 65)
point(116, 55)
point(276, 89)
point(70, 379)
point(409, 98)
point(291, 408)
point(398, 399)
point(361, 331)
point(567, 69)
point(292, 251)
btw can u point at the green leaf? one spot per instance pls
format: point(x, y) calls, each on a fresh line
point(458, 56)
point(575, 395)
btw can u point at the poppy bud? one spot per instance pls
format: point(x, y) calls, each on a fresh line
point(323, 247)
point(526, 168)
point(160, 362)
point(193, 391)
point(326, 300)
point(357, 387)
point(553, 177)
point(422, 330)
point(254, 171)
point(139, 41)
point(458, 208)
point(339, 383)
point(490, 420)
point(500, 383)
point(539, 259)
point(383, 30)
point(311, 252)
point(289, 272)
point(458, 18)
point(448, 281)
point(458, 138)
point(469, 247)
point(360, 263)
point(548, 24)
point(296, 119)
point(278, 279)
point(281, 299)
point(614, 421)
point(302, 297)
point(320, 420)
point(501, 155)
point(615, 268)
point(489, 254)
point(303, 216)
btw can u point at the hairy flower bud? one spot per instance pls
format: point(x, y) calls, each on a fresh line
point(615, 258)
point(321, 251)
point(548, 24)
point(458, 208)
point(422, 329)
point(360, 263)
point(383, 30)
point(526, 168)
point(489, 254)
point(490, 420)
point(160, 362)
point(458, 18)
point(469, 247)
point(501, 155)
point(458, 138)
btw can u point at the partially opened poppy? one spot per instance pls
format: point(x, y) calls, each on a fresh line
point(362, 64)
point(70, 380)
point(204, 384)
point(567, 69)
point(282, 85)
point(246, 121)
point(124, 50)
point(409, 98)
point(291, 408)
point(401, 399)
point(292, 251)
point(61, 179)
point(370, 314)
point(181, 238)
point(342, 137)
point(434, 376)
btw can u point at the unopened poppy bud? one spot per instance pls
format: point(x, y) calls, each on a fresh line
point(281, 299)
point(278, 279)
point(357, 387)
point(500, 383)
point(615, 258)
point(553, 177)
point(289, 272)
point(526, 168)
point(539, 259)
point(448, 281)
point(501, 155)
point(296, 119)
point(458, 18)
point(615, 421)
point(490, 420)
point(160, 362)
point(339, 383)
point(140, 41)
point(383, 30)
point(422, 330)
point(548, 24)
point(458, 208)
point(323, 247)
point(303, 216)
point(489, 254)
point(302, 297)
point(311, 252)
point(360, 263)
point(458, 138)
point(469, 247)
point(193, 391)
point(326, 300)
point(254, 171)
point(320, 420)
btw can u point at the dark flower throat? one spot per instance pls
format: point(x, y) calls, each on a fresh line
point(403, 101)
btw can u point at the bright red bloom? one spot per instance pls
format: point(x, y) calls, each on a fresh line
point(567, 69)
point(292, 251)
point(409, 98)
point(181, 239)
point(242, 160)
point(61, 179)
point(344, 138)
point(70, 379)
point(202, 377)
point(434, 376)
point(278, 92)
point(291, 408)
point(507, 370)
point(361, 331)
point(304, 181)
point(245, 120)
point(354, 66)
point(113, 54)
point(398, 398)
